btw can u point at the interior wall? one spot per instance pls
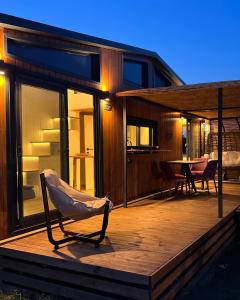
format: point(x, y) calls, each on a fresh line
point(80, 105)
point(143, 172)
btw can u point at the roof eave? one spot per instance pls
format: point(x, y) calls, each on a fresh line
point(13, 22)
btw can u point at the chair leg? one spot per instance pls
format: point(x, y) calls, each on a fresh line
point(207, 186)
point(176, 187)
point(182, 187)
point(214, 180)
point(189, 187)
point(71, 236)
point(202, 184)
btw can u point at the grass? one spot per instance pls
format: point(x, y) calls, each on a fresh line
point(19, 296)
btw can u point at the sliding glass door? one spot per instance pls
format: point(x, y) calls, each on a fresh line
point(39, 144)
point(55, 129)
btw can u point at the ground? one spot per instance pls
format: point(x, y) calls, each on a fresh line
point(19, 296)
point(221, 281)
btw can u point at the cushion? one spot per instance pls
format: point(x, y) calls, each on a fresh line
point(70, 202)
point(197, 173)
point(230, 158)
point(179, 176)
point(201, 166)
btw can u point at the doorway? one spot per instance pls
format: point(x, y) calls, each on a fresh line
point(81, 141)
point(55, 129)
point(39, 144)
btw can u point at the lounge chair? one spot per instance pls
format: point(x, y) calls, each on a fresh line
point(72, 204)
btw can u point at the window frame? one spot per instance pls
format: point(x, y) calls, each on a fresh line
point(144, 73)
point(153, 136)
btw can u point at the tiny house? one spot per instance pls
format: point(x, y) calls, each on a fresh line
point(59, 110)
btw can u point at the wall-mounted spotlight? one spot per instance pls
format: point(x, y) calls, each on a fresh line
point(107, 101)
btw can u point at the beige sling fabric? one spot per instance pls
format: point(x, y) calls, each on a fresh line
point(70, 202)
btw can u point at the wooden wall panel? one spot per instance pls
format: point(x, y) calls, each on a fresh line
point(111, 66)
point(3, 157)
point(143, 169)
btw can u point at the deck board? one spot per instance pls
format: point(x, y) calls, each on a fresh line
point(141, 240)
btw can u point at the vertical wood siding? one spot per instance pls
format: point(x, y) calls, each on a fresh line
point(143, 169)
point(3, 156)
point(111, 66)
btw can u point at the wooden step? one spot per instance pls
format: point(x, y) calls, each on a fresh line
point(51, 135)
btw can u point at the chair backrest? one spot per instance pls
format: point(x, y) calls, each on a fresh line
point(52, 179)
point(201, 166)
point(211, 169)
point(70, 202)
point(167, 172)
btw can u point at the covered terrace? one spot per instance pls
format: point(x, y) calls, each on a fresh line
point(211, 101)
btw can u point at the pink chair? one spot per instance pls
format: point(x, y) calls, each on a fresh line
point(169, 176)
point(198, 169)
point(209, 173)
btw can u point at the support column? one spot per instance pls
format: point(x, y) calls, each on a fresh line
point(220, 196)
point(124, 152)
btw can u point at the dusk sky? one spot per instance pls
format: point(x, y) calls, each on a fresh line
point(200, 40)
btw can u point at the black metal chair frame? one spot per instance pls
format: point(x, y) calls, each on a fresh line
point(69, 235)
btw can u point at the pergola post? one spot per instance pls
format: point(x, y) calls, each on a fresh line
point(220, 196)
point(124, 116)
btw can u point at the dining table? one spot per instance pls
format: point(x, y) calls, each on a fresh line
point(186, 169)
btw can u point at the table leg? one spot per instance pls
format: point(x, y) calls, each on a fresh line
point(187, 172)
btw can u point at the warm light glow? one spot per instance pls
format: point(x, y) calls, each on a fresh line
point(2, 79)
point(2, 73)
point(41, 143)
point(51, 129)
point(184, 120)
point(104, 88)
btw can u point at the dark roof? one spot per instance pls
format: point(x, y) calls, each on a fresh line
point(8, 21)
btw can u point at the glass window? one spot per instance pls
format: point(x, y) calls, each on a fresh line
point(141, 133)
point(132, 135)
point(40, 140)
point(83, 65)
point(135, 72)
point(145, 136)
point(160, 80)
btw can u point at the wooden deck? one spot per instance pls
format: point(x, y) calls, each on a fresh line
point(153, 249)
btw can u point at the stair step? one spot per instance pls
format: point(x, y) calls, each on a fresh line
point(41, 148)
point(30, 163)
point(51, 135)
point(72, 123)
